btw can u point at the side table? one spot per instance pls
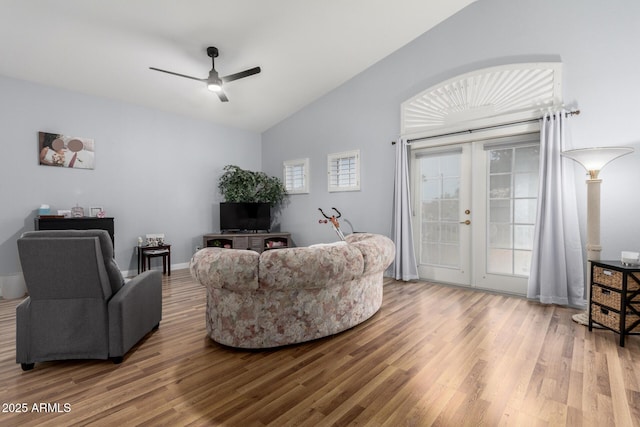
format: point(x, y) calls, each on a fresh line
point(145, 253)
point(615, 297)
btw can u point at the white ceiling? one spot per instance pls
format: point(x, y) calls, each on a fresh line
point(305, 48)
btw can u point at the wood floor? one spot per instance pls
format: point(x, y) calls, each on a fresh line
point(432, 355)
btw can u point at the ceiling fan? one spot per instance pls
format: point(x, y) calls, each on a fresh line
point(214, 81)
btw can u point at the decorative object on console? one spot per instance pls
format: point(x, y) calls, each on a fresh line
point(77, 211)
point(95, 212)
point(65, 151)
point(44, 210)
point(155, 239)
point(630, 258)
point(593, 160)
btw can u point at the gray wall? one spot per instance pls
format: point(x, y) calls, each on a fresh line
point(595, 40)
point(154, 172)
point(157, 172)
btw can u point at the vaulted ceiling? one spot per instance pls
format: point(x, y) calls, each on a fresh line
point(305, 48)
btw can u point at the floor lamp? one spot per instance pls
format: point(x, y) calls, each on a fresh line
point(593, 160)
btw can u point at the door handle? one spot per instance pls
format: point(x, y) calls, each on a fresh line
point(467, 222)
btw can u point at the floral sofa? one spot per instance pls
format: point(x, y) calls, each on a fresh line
point(292, 295)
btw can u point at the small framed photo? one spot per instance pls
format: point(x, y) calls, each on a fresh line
point(95, 211)
point(66, 213)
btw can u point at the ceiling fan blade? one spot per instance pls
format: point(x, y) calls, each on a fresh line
point(222, 96)
point(240, 75)
point(178, 74)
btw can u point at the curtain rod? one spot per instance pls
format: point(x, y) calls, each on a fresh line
point(567, 114)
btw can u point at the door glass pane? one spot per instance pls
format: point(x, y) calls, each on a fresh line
point(526, 184)
point(450, 188)
point(527, 159)
point(449, 210)
point(522, 263)
point(500, 186)
point(512, 200)
point(500, 161)
point(500, 235)
point(439, 209)
point(499, 261)
point(500, 210)
point(449, 255)
point(524, 210)
point(523, 238)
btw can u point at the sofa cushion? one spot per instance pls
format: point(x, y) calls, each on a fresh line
point(312, 267)
point(377, 251)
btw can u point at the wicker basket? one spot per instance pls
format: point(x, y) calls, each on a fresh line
point(632, 285)
point(611, 319)
point(606, 277)
point(613, 278)
point(606, 297)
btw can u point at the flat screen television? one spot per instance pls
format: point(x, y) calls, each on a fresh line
point(245, 216)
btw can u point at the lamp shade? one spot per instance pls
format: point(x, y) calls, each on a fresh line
point(594, 159)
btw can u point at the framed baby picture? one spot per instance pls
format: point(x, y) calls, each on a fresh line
point(65, 151)
point(96, 212)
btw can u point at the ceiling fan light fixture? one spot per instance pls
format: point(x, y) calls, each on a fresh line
point(214, 86)
point(214, 81)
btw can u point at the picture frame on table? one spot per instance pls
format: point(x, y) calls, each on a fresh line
point(95, 211)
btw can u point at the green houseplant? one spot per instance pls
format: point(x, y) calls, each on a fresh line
point(240, 185)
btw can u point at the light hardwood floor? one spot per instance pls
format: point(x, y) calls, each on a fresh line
point(432, 355)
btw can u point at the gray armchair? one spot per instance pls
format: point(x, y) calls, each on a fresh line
point(79, 306)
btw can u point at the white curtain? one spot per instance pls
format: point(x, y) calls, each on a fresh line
point(404, 266)
point(557, 273)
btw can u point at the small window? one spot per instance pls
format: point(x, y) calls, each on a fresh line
point(296, 176)
point(343, 171)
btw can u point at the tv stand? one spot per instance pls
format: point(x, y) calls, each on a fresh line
point(255, 241)
point(244, 232)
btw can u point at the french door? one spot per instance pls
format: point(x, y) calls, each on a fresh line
point(442, 217)
point(474, 211)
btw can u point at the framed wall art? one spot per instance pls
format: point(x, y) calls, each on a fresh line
point(65, 151)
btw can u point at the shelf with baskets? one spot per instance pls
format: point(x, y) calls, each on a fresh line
point(615, 297)
point(253, 241)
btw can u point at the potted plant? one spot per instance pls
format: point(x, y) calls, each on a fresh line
point(240, 185)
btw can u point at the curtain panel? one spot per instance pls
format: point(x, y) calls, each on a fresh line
point(557, 273)
point(404, 266)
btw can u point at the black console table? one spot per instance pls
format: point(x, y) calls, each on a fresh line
point(83, 223)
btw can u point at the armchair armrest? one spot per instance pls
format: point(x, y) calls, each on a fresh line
point(22, 331)
point(134, 311)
